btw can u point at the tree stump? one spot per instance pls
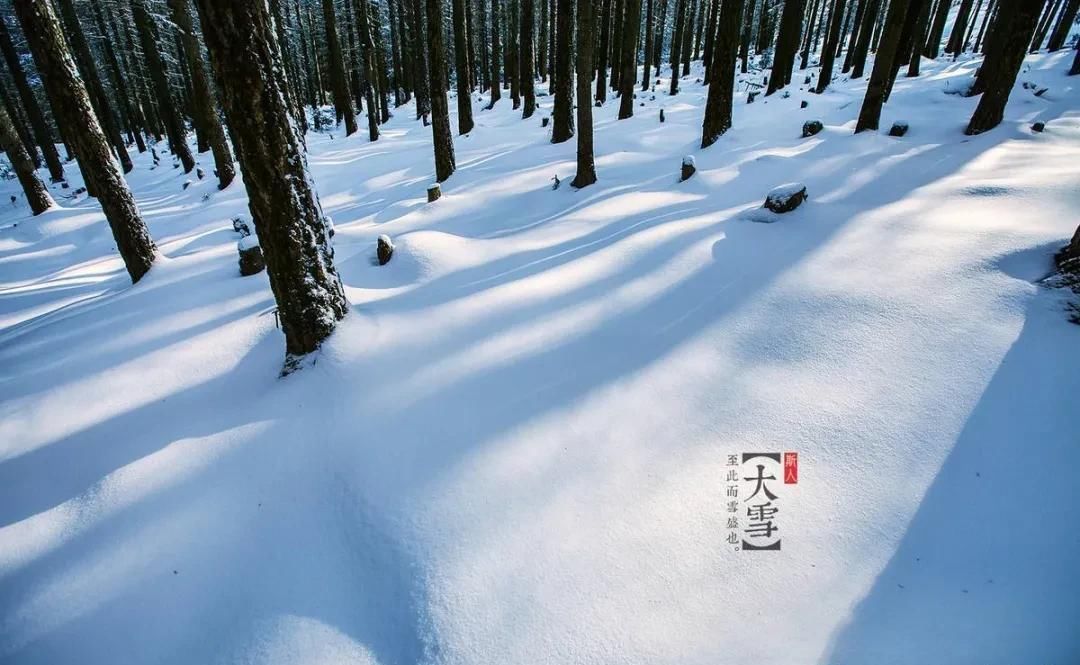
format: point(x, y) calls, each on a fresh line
point(899, 128)
point(251, 256)
point(433, 193)
point(384, 249)
point(786, 198)
point(688, 168)
point(811, 127)
point(1038, 127)
point(661, 115)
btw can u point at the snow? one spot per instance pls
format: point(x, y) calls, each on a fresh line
point(513, 448)
point(247, 242)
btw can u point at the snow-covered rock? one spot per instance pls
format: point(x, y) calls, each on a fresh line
point(384, 249)
point(811, 127)
point(251, 256)
point(786, 198)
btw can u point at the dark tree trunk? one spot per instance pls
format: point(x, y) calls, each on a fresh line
point(828, 52)
point(1010, 39)
point(21, 130)
point(787, 41)
point(420, 76)
point(1075, 69)
point(877, 87)
point(339, 83)
point(586, 167)
point(461, 55)
point(551, 42)
point(808, 38)
point(42, 135)
point(987, 19)
point(527, 68)
point(676, 44)
point(710, 34)
point(862, 46)
point(84, 61)
point(1063, 25)
point(395, 55)
point(131, 118)
point(496, 54)
point(541, 58)
point(513, 53)
point(440, 105)
point(914, 46)
point(602, 57)
point(688, 36)
point(647, 56)
point(1044, 24)
point(905, 44)
point(937, 29)
point(367, 48)
point(281, 195)
point(722, 73)
point(296, 106)
point(956, 37)
point(562, 114)
point(618, 11)
point(71, 106)
point(380, 65)
point(658, 41)
point(628, 59)
point(174, 125)
point(747, 31)
point(860, 11)
point(202, 95)
point(36, 193)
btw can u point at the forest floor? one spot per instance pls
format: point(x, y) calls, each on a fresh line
point(515, 448)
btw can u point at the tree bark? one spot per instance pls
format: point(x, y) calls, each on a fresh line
point(281, 195)
point(628, 59)
point(42, 135)
point(339, 83)
point(586, 165)
point(562, 118)
point(787, 41)
point(828, 51)
point(36, 193)
point(71, 106)
point(1044, 24)
point(956, 37)
point(440, 105)
point(605, 46)
point(1063, 25)
point(676, 44)
point(527, 68)
point(862, 46)
point(367, 48)
point(877, 87)
point(1010, 39)
point(647, 55)
point(496, 54)
point(174, 125)
point(722, 73)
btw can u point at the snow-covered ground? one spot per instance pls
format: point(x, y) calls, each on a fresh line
point(514, 448)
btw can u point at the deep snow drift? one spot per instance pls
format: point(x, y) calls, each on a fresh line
point(514, 449)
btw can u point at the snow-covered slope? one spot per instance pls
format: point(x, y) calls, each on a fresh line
point(514, 449)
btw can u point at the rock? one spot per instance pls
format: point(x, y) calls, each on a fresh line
point(251, 256)
point(751, 96)
point(1041, 91)
point(803, 104)
point(811, 127)
point(806, 81)
point(199, 172)
point(81, 190)
point(899, 128)
point(384, 249)
point(688, 168)
point(786, 198)
point(556, 182)
point(661, 115)
point(64, 185)
point(1038, 127)
point(241, 225)
point(187, 183)
point(544, 121)
point(433, 193)
point(598, 103)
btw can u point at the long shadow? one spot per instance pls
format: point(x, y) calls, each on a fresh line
point(988, 563)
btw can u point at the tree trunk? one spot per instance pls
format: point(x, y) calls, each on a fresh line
point(914, 47)
point(1063, 25)
point(496, 54)
point(42, 135)
point(281, 195)
point(174, 125)
point(722, 73)
point(440, 105)
point(877, 88)
point(339, 83)
point(647, 56)
point(367, 49)
point(527, 68)
point(676, 44)
point(562, 118)
point(860, 11)
point(202, 95)
point(36, 193)
point(541, 58)
point(586, 166)
point(787, 40)
point(808, 38)
point(1010, 39)
point(628, 59)
point(1075, 69)
point(130, 114)
point(956, 37)
point(605, 45)
point(658, 41)
point(828, 52)
point(380, 64)
point(1044, 24)
point(862, 46)
point(688, 37)
point(71, 106)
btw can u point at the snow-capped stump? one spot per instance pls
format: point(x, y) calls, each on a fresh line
point(251, 256)
point(384, 249)
point(811, 127)
point(433, 193)
point(786, 198)
point(241, 225)
point(688, 168)
point(899, 128)
point(1038, 127)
